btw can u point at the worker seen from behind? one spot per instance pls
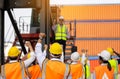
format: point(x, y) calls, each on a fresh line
point(53, 68)
point(61, 32)
point(104, 71)
point(17, 69)
point(34, 69)
point(86, 63)
point(113, 62)
point(76, 68)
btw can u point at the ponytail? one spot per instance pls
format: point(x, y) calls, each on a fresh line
point(109, 66)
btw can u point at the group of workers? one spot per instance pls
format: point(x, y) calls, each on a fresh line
point(35, 65)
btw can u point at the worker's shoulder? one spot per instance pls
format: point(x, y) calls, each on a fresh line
point(12, 63)
point(112, 61)
point(98, 67)
point(80, 66)
point(56, 64)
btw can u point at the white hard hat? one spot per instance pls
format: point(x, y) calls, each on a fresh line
point(105, 55)
point(61, 17)
point(75, 56)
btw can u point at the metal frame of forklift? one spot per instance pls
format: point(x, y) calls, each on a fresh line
point(44, 24)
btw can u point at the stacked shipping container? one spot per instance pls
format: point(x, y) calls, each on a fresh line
point(98, 27)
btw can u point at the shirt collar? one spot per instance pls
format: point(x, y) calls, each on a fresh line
point(74, 62)
point(13, 61)
point(103, 64)
point(56, 59)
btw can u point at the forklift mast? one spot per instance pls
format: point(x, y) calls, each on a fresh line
point(7, 5)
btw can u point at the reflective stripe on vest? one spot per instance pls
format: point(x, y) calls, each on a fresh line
point(87, 71)
point(3, 72)
point(64, 75)
point(60, 32)
point(114, 64)
point(44, 68)
point(22, 68)
point(66, 71)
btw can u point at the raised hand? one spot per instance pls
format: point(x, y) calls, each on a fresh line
point(45, 47)
point(42, 35)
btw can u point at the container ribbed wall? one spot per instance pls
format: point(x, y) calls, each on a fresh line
point(93, 29)
point(91, 12)
point(103, 22)
point(96, 46)
point(106, 30)
point(101, 31)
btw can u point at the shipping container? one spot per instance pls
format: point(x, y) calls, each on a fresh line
point(97, 27)
point(89, 12)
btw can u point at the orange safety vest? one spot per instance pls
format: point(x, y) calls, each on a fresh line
point(14, 71)
point(76, 71)
point(53, 69)
point(102, 72)
point(35, 72)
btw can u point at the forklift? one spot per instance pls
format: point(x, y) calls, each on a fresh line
point(42, 6)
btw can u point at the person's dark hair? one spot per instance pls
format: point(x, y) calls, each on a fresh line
point(74, 49)
point(108, 64)
point(55, 55)
point(13, 58)
point(34, 62)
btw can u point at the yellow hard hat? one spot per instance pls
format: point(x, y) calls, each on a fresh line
point(56, 48)
point(13, 52)
point(28, 55)
point(110, 50)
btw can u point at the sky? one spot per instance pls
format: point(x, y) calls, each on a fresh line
point(20, 15)
point(27, 12)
